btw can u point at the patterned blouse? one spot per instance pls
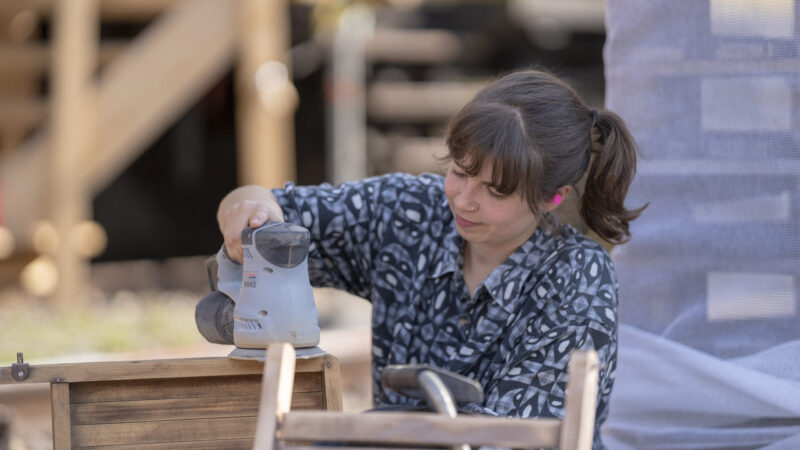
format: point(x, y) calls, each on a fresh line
point(392, 240)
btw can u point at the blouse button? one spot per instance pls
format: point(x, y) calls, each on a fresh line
point(463, 321)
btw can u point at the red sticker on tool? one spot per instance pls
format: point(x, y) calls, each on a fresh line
point(249, 279)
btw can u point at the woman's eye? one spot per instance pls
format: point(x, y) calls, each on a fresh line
point(459, 173)
point(494, 193)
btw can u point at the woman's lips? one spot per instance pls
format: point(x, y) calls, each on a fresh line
point(464, 223)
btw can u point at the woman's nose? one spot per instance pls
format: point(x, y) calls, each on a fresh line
point(466, 195)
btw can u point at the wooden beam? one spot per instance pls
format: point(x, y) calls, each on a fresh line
point(59, 402)
point(419, 429)
point(76, 37)
point(134, 370)
point(419, 102)
point(577, 431)
point(122, 10)
point(33, 59)
point(265, 106)
point(276, 393)
point(415, 46)
point(333, 384)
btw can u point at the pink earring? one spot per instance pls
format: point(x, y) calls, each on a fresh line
point(557, 199)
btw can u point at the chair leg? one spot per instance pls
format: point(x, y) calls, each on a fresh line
point(276, 393)
point(577, 429)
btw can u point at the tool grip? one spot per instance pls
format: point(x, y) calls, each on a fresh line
point(282, 244)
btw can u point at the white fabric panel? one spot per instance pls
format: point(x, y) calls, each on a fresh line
point(670, 396)
point(709, 352)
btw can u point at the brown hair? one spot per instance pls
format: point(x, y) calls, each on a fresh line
point(540, 136)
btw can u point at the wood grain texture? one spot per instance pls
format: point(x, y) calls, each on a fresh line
point(419, 428)
point(59, 401)
point(181, 408)
point(164, 431)
point(276, 393)
point(332, 393)
point(157, 368)
point(227, 444)
point(167, 388)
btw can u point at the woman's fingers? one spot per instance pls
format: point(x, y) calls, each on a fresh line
point(241, 215)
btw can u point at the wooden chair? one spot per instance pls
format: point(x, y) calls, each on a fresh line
point(280, 427)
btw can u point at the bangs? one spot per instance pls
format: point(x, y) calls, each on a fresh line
point(495, 131)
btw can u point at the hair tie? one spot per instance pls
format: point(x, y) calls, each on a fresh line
point(594, 117)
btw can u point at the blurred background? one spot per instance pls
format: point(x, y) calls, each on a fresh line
point(124, 122)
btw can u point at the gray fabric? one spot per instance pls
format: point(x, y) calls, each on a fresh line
point(709, 91)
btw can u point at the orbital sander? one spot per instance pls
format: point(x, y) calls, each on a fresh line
point(266, 299)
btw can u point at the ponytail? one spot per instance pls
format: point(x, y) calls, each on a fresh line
point(610, 174)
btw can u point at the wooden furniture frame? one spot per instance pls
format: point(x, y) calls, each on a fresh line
point(279, 426)
point(197, 403)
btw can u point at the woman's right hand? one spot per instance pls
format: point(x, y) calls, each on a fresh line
point(247, 206)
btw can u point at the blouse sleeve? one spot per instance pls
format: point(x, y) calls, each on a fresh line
point(346, 223)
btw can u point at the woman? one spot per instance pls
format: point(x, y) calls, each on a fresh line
point(471, 272)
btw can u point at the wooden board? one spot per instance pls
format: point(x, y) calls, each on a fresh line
point(59, 395)
point(115, 391)
point(163, 431)
point(183, 408)
point(228, 444)
point(140, 370)
point(419, 428)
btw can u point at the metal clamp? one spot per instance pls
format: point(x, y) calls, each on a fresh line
point(20, 370)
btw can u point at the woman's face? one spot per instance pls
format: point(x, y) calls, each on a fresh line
point(482, 215)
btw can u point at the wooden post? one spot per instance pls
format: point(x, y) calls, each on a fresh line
point(75, 42)
point(59, 401)
point(577, 429)
point(332, 394)
point(276, 393)
point(265, 107)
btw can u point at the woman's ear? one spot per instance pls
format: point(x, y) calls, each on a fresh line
point(558, 198)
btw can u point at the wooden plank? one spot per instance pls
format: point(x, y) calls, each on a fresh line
point(123, 10)
point(163, 431)
point(577, 431)
point(228, 444)
point(418, 102)
point(33, 59)
point(415, 46)
point(181, 408)
point(419, 428)
point(157, 368)
point(76, 33)
point(155, 389)
point(276, 393)
point(111, 391)
point(59, 401)
point(344, 447)
point(332, 394)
